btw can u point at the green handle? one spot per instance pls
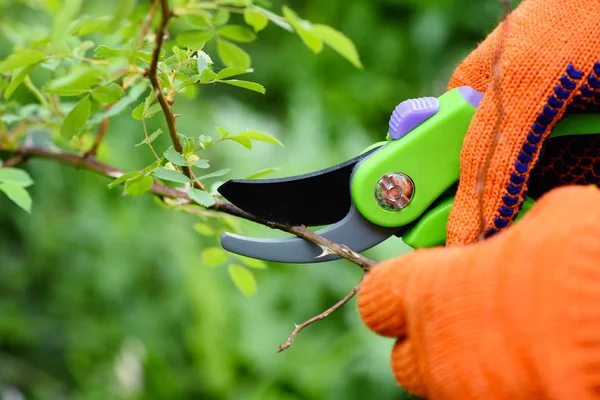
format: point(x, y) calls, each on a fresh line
point(430, 156)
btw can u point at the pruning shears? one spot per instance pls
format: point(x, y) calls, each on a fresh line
point(403, 186)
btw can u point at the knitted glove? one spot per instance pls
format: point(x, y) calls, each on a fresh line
point(516, 316)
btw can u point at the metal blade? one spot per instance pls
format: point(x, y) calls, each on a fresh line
point(314, 199)
point(354, 231)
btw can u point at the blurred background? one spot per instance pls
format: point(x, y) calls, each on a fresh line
point(104, 296)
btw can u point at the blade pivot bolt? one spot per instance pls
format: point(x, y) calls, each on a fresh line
point(394, 191)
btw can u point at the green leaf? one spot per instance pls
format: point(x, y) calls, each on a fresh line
point(262, 172)
point(139, 186)
point(222, 131)
point(93, 25)
point(76, 82)
point(103, 52)
point(108, 94)
point(205, 140)
point(215, 174)
point(232, 55)
point(203, 164)
point(194, 39)
point(241, 140)
point(237, 33)
point(208, 76)
point(243, 279)
point(21, 59)
point(170, 175)
point(231, 71)
point(339, 42)
point(255, 19)
point(123, 178)
point(221, 17)
point(201, 197)
point(303, 29)
point(205, 230)
point(246, 85)
point(76, 119)
point(260, 136)
point(15, 176)
point(213, 256)
point(174, 157)
point(253, 262)
point(16, 79)
point(17, 194)
point(150, 138)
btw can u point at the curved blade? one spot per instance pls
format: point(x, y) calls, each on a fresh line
point(354, 231)
point(314, 199)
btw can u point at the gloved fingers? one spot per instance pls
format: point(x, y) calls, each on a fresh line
point(380, 299)
point(406, 368)
point(549, 60)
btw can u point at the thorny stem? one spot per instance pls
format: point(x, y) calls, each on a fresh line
point(91, 164)
point(94, 165)
point(165, 103)
point(497, 92)
point(319, 317)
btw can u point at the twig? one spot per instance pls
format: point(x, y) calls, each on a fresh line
point(496, 91)
point(13, 161)
point(165, 103)
point(99, 135)
point(147, 22)
point(319, 317)
point(94, 165)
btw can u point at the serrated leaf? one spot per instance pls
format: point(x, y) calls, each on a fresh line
point(213, 257)
point(303, 29)
point(231, 71)
point(194, 39)
point(222, 131)
point(17, 194)
point(76, 119)
point(252, 262)
point(208, 75)
point(138, 186)
point(205, 139)
point(256, 87)
point(262, 172)
point(108, 94)
point(201, 197)
point(338, 42)
point(170, 175)
point(255, 19)
point(93, 25)
point(150, 138)
point(243, 279)
point(17, 78)
point(260, 136)
point(205, 230)
point(241, 140)
point(103, 52)
point(76, 82)
point(15, 176)
point(21, 59)
point(221, 17)
point(232, 55)
point(215, 174)
point(123, 178)
point(237, 33)
point(175, 157)
point(203, 164)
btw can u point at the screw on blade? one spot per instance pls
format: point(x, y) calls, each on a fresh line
point(394, 191)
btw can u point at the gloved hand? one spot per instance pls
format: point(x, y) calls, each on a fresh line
point(516, 316)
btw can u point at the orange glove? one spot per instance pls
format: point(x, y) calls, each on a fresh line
point(516, 316)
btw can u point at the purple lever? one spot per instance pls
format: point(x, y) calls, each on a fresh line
point(411, 113)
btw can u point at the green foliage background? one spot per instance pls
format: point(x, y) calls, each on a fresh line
point(104, 296)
